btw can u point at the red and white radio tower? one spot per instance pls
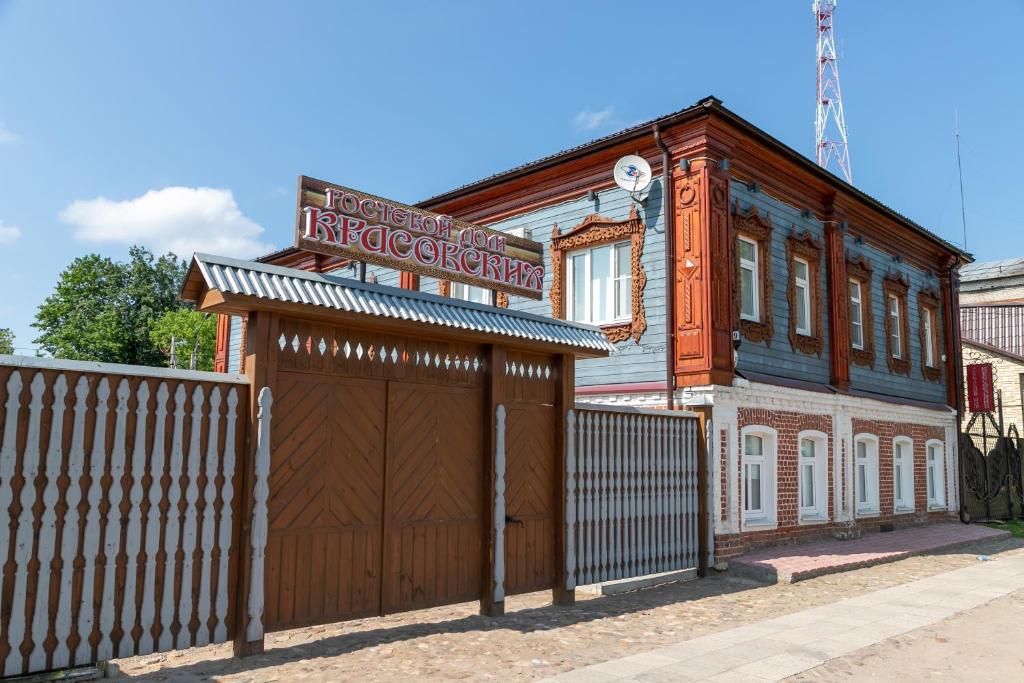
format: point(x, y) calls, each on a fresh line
point(829, 121)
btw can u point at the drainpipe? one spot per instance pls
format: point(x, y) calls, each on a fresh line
point(670, 232)
point(954, 316)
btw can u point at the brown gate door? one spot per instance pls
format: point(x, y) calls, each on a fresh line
point(434, 498)
point(326, 498)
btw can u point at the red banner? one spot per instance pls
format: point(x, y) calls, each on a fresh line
point(980, 396)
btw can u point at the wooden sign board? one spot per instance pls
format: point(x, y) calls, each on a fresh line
point(980, 393)
point(336, 220)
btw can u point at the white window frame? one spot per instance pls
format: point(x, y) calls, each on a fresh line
point(857, 302)
point(755, 274)
point(819, 511)
point(464, 292)
point(804, 284)
point(903, 499)
point(895, 326)
point(609, 317)
point(929, 339)
point(870, 507)
point(935, 473)
point(767, 516)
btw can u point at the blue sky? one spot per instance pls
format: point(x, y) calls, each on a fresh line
point(184, 125)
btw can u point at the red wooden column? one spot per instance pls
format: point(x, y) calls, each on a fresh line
point(220, 356)
point(838, 308)
point(409, 280)
point(703, 276)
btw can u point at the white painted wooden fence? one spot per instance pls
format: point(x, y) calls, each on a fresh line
point(118, 514)
point(631, 493)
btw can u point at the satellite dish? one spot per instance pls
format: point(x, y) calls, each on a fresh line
point(632, 173)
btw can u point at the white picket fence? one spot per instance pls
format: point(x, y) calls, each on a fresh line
point(631, 493)
point(118, 484)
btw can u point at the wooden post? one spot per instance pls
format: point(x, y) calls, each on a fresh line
point(565, 400)
point(493, 397)
point(703, 481)
point(260, 366)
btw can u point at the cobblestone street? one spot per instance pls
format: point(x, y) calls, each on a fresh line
point(536, 640)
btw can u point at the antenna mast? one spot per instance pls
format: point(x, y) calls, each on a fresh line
point(829, 121)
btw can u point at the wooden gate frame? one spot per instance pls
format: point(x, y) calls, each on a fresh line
point(264, 319)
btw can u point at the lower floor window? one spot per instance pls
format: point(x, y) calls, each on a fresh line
point(903, 473)
point(812, 475)
point(866, 482)
point(758, 478)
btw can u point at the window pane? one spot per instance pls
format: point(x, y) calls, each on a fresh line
point(800, 268)
point(752, 445)
point(862, 483)
point(753, 497)
point(747, 292)
point(855, 315)
point(623, 282)
point(862, 450)
point(600, 282)
point(897, 476)
point(747, 250)
point(931, 481)
point(929, 347)
point(807, 448)
point(807, 485)
point(579, 287)
point(802, 322)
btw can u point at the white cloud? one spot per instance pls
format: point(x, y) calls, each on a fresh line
point(587, 121)
point(7, 137)
point(182, 220)
point(9, 234)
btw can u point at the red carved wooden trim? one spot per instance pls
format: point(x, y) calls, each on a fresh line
point(220, 356)
point(809, 249)
point(896, 285)
point(444, 287)
point(928, 299)
point(859, 269)
point(838, 298)
point(751, 225)
point(596, 230)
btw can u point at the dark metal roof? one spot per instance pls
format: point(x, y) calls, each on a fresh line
point(707, 104)
point(1000, 326)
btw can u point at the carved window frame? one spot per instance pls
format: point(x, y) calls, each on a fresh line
point(896, 285)
point(859, 269)
point(809, 249)
point(751, 225)
point(928, 299)
point(594, 231)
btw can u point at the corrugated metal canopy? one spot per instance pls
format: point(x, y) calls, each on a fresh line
point(273, 283)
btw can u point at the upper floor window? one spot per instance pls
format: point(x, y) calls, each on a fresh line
point(866, 477)
point(753, 279)
point(903, 474)
point(597, 276)
point(856, 315)
point(750, 296)
point(862, 317)
point(931, 355)
point(804, 293)
point(897, 325)
point(470, 293)
point(801, 280)
point(598, 284)
point(935, 471)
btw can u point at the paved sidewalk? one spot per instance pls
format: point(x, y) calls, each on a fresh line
point(775, 649)
point(788, 564)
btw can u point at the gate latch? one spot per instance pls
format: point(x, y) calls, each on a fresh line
point(512, 520)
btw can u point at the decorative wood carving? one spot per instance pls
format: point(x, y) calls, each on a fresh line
point(596, 230)
point(928, 299)
point(501, 300)
point(751, 225)
point(808, 248)
point(896, 285)
point(859, 269)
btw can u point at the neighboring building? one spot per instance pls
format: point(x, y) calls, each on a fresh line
point(992, 327)
point(809, 323)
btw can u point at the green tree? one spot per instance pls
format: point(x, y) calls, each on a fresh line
point(102, 310)
point(6, 340)
point(190, 330)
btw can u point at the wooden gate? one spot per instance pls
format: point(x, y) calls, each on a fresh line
point(378, 457)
